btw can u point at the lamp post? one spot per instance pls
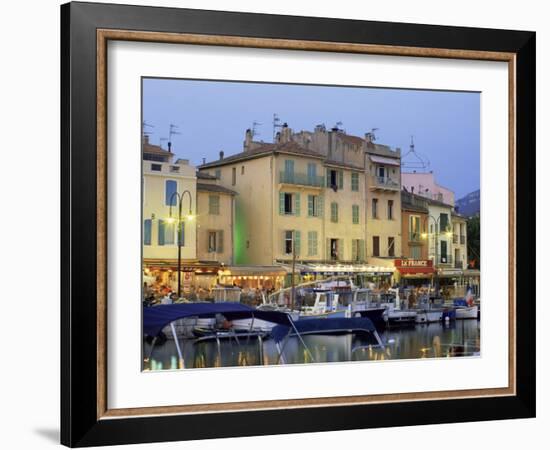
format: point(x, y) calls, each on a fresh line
point(180, 220)
point(436, 234)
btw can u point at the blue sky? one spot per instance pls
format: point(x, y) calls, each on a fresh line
point(213, 116)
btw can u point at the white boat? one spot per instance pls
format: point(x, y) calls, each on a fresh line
point(467, 312)
point(429, 315)
point(466, 308)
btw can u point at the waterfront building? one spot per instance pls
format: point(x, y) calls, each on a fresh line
point(301, 198)
point(207, 222)
point(414, 226)
point(460, 244)
point(424, 184)
point(381, 194)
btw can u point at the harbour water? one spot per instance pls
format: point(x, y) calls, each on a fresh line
point(455, 339)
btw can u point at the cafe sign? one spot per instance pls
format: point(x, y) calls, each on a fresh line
point(425, 263)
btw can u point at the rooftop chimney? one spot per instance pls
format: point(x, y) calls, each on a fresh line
point(247, 139)
point(221, 154)
point(170, 147)
point(204, 160)
point(286, 133)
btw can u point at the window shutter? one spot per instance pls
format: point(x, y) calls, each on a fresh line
point(181, 234)
point(354, 253)
point(147, 232)
point(310, 205)
point(340, 179)
point(320, 206)
point(297, 204)
point(297, 242)
point(327, 249)
point(281, 203)
point(328, 177)
point(219, 240)
point(171, 188)
point(161, 232)
point(362, 249)
point(340, 249)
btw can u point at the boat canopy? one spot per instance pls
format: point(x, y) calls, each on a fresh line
point(323, 326)
point(155, 318)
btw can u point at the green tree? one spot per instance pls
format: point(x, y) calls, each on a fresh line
point(474, 253)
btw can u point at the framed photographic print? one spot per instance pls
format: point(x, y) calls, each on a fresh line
point(277, 224)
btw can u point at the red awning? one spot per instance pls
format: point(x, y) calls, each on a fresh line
point(415, 270)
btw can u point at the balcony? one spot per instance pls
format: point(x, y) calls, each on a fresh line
point(384, 184)
point(301, 179)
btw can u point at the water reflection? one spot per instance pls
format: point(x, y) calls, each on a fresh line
point(460, 338)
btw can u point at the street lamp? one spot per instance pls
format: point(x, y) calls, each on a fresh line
point(179, 220)
point(425, 235)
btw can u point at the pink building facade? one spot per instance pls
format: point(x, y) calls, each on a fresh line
point(424, 184)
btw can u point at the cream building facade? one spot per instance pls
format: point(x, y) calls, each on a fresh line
point(308, 194)
point(161, 179)
point(460, 241)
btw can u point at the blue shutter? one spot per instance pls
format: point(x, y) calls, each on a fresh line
point(147, 232)
point(161, 232)
point(171, 188)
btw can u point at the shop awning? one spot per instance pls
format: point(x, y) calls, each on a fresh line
point(416, 270)
point(340, 269)
point(266, 271)
point(382, 160)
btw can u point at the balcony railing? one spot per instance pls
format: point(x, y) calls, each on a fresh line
point(301, 179)
point(385, 183)
point(462, 239)
point(459, 264)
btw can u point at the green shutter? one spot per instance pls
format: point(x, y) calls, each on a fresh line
point(340, 179)
point(354, 252)
point(362, 249)
point(161, 232)
point(281, 202)
point(219, 241)
point(327, 249)
point(320, 205)
point(310, 205)
point(297, 204)
point(341, 249)
point(297, 242)
point(328, 177)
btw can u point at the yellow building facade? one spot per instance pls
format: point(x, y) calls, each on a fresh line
point(306, 195)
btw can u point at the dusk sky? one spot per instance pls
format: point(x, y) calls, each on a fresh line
point(213, 116)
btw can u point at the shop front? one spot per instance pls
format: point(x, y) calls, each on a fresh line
point(265, 278)
point(415, 272)
point(197, 278)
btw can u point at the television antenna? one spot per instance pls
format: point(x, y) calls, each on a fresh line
point(172, 132)
point(145, 125)
point(254, 130)
point(276, 124)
